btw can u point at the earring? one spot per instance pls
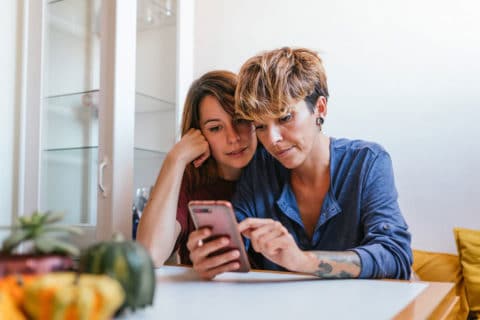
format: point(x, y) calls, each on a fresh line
point(319, 121)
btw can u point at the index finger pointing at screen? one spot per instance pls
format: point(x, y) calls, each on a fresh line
point(253, 223)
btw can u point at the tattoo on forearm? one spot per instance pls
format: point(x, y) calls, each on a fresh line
point(324, 268)
point(337, 264)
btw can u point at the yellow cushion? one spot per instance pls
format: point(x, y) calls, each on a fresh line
point(442, 267)
point(468, 245)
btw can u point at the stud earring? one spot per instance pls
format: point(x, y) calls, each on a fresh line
point(319, 121)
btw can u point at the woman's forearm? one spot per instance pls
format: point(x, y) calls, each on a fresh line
point(158, 228)
point(332, 264)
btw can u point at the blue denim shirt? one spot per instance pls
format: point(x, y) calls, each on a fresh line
point(360, 211)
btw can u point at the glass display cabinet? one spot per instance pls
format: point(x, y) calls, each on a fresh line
point(103, 88)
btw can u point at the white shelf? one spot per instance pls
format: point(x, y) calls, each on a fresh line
point(146, 103)
point(82, 101)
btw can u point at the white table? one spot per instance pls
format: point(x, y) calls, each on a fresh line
point(275, 295)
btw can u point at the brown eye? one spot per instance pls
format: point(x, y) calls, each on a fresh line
point(286, 118)
point(259, 127)
point(214, 129)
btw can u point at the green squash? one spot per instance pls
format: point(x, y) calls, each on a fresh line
point(126, 261)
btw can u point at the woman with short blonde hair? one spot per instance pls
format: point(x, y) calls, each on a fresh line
point(308, 202)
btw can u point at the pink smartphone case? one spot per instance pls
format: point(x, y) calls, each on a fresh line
point(219, 216)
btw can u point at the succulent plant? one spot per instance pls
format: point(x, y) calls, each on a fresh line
point(40, 231)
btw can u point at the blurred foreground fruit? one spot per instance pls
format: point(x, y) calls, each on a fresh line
point(14, 286)
point(126, 261)
point(68, 295)
point(61, 296)
point(8, 308)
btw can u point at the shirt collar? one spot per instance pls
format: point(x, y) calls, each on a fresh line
point(288, 206)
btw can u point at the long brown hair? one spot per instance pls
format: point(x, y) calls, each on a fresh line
point(220, 84)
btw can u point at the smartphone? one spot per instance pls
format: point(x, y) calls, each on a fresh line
point(219, 217)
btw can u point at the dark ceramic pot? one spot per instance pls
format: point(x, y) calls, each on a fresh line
point(33, 264)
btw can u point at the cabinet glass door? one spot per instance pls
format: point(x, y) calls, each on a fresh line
point(98, 123)
point(70, 123)
point(155, 106)
point(69, 119)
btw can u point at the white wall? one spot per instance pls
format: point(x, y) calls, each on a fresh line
point(9, 115)
point(402, 73)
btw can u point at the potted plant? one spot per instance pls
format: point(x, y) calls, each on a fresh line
point(43, 249)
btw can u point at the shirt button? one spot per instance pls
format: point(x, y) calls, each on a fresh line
point(386, 226)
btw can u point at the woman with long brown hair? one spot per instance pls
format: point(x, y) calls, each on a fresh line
point(204, 165)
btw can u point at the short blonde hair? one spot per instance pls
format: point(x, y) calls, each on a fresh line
point(272, 81)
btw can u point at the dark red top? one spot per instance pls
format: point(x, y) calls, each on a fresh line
point(220, 190)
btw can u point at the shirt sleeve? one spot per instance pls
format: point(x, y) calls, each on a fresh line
point(385, 250)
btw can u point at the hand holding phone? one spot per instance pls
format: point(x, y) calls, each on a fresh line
point(220, 220)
